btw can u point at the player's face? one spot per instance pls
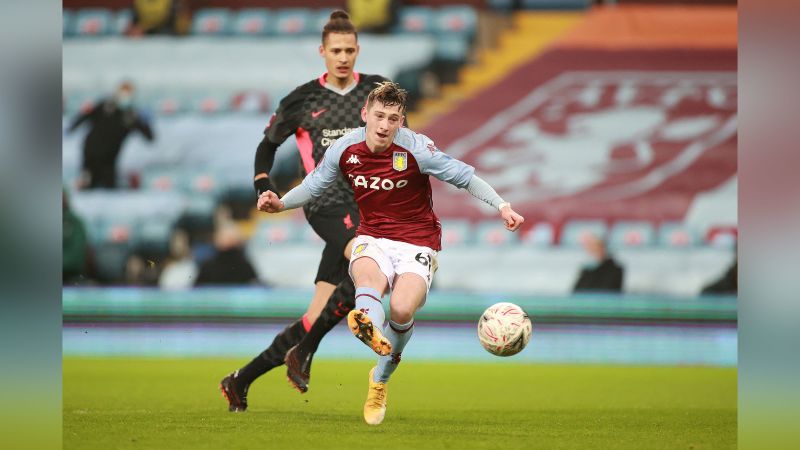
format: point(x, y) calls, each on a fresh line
point(340, 51)
point(382, 124)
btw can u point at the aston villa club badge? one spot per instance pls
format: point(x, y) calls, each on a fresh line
point(400, 161)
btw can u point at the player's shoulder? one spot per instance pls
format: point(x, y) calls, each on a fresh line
point(370, 81)
point(416, 143)
point(348, 139)
point(301, 92)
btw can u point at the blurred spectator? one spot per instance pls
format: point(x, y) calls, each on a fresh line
point(229, 265)
point(140, 271)
point(373, 16)
point(111, 120)
point(727, 284)
point(604, 274)
point(160, 17)
point(180, 269)
point(75, 245)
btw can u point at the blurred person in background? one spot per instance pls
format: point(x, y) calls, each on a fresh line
point(140, 271)
point(75, 245)
point(111, 120)
point(180, 269)
point(229, 264)
point(316, 113)
point(604, 273)
point(373, 16)
point(160, 17)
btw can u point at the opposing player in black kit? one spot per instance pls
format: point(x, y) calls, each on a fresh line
point(316, 113)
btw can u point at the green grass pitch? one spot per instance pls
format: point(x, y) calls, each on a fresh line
point(174, 403)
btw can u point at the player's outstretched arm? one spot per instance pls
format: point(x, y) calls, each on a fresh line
point(298, 196)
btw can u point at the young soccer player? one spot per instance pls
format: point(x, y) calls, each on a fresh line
point(399, 236)
point(316, 113)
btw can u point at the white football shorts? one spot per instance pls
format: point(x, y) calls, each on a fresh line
point(395, 257)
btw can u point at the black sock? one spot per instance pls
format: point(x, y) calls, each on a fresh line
point(341, 301)
point(273, 356)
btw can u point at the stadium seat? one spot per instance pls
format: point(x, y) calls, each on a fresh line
point(210, 102)
point(92, 22)
point(500, 5)
point(456, 233)
point(541, 234)
point(251, 102)
point(153, 235)
point(252, 22)
point(201, 183)
point(212, 21)
point(320, 18)
point(160, 180)
point(277, 232)
point(631, 234)
point(415, 19)
point(167, 103)
point(494, 233)
point(555, 4)
point(462, 20)
point(110, 260)
point(294, 21)
point(452, 47)
point(67, 19)
point(722, 236)
point(676, 234)
point(121, 22)
point(79, 101)
point(575, 231)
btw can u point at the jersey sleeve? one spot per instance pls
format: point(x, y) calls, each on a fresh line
point(287, 118)
point(438, 164)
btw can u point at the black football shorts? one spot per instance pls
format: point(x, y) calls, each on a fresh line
point(336, 226)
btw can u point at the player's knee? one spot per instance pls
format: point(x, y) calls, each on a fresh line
point(402, 312)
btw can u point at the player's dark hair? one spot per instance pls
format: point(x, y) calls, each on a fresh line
point(388, 93)
point(338, 23)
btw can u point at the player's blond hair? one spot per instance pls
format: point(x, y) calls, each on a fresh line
point(388, 93)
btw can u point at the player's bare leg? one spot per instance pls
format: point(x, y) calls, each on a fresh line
point(366, 323)
point(322, 292)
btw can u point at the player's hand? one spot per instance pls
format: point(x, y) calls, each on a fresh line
point(511, 218)
point(269, 202)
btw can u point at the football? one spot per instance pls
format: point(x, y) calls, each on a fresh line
point(504, 329)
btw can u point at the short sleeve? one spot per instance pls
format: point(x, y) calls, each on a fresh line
point(287, 118)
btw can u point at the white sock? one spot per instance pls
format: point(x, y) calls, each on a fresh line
point(398, 335)
point(368, 301)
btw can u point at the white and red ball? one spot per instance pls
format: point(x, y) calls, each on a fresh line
point(504, 329)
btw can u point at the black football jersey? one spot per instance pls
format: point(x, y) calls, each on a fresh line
point(318, 115)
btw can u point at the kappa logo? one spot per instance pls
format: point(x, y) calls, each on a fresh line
point(353, 159)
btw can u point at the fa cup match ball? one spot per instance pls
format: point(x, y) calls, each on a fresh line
point(504, 329)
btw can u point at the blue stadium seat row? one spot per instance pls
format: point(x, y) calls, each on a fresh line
point(169, 103)
point(459, 20)
point(492, 233)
